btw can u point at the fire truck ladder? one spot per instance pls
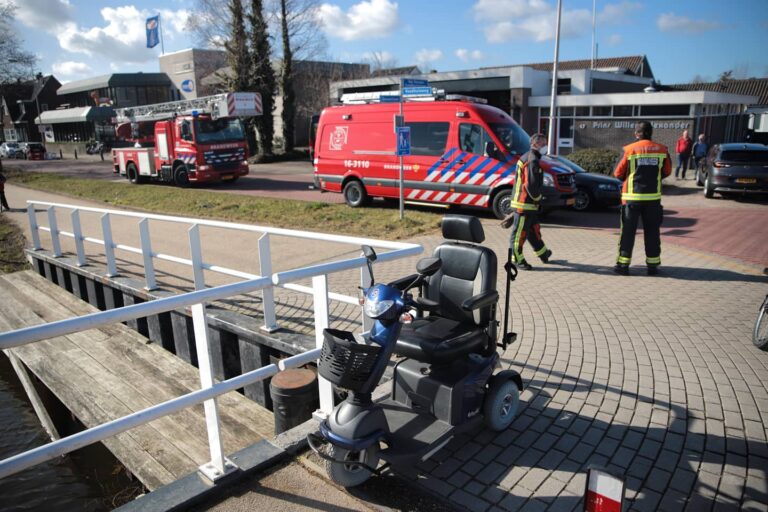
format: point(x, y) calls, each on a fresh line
point(159, 111)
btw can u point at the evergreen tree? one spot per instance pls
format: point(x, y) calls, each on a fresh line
point(238, 56)
point(262, 76)
point(286, 82)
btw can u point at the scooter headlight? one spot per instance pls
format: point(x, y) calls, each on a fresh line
point(377, 308)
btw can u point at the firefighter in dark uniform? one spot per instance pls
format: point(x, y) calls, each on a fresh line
point(644, 164)
point(525, 202)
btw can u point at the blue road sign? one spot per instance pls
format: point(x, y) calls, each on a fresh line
point(415, 82)
point(403, 140)
point(417, 91)
point(388, 98)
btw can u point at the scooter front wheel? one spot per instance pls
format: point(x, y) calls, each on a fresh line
point(351, 474)
point(501, 404)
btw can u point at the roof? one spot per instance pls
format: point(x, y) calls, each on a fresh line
point(750, 87)
point(635, 65)
point(75, 115)
point(405, 70)
point(115, 80)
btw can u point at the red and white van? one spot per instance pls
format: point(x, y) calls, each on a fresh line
point(462, 153)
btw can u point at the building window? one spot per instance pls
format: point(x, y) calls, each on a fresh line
point(544, 112)
point(601, 111)
point(622, 111)
point(563, 86)
point(666, 110)
point(566, 111)
point(582, 112)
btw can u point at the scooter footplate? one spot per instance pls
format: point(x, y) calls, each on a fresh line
point(414, 436)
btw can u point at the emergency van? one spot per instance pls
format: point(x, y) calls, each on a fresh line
point(463, 153)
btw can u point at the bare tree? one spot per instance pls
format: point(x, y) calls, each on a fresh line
point(15, 62)
point(210, 23)
point(379, 60)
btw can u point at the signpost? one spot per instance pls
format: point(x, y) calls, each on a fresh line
point(409, 87)
point(403, 140)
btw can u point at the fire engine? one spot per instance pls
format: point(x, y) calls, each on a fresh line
point(188, 141)
point(463, 153)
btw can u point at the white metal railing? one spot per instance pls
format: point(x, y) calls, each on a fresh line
point(218, 465)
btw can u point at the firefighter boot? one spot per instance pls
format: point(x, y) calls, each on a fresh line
point(545, 256)
point(524, 265)
point(621, 269)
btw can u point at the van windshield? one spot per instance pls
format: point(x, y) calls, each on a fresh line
point(220, 130)
point(512, 136)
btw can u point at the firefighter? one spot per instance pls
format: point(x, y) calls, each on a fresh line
point(525, 202)
point(644, 164)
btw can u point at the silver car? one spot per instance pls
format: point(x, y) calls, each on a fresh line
point(9, 149)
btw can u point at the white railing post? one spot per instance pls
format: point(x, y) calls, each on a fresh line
point(54, 227)
point(196, 254)
point(78, 233)
point(34, 228)
point(218, 466)
point(109, 245)
point(268, 293)
point(365, 283)
point(320, 296)
point(146, 251)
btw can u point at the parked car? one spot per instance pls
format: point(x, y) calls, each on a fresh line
point(592, 189)
point(34, 151)
point(9, 149)
point(735, 168)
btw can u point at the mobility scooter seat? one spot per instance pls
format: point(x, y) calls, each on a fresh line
point(465, 289)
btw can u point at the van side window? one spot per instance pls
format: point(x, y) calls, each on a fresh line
point(472, 138)
point(428, 139)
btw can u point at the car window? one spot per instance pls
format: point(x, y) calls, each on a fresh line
point(428, 139)
point(743, 156)
point(472, 138)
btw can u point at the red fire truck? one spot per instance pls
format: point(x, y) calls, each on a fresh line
point(463, 153)
point(187, 141)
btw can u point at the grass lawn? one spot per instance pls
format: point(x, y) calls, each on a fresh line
point(383, 223)
point(11, 247)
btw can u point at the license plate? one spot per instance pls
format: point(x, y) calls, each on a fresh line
point(228, 177)
point(570, 201)
point(746, 180)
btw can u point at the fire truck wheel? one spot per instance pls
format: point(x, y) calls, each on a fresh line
point(355, 194)
point(133, 174)
point(501, 203)
point(181, 177)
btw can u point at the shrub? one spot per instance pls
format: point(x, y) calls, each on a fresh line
point(600, 160)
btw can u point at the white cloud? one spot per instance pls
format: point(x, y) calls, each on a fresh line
point(535, 20)
point(670, 22)
point(69, 69)
point(44, 14)
point(615, 40)
point(366, 20)
point(123, 37)
point(425, 58)
point(465, 55)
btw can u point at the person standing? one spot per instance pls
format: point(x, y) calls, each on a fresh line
point(699, 151)
point(683, 150)
point(642, 167)
point(524, 219)
point(3, 200)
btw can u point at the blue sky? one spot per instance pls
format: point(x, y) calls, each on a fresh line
point(76, 39)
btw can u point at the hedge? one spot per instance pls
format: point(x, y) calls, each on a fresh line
point(599, 160)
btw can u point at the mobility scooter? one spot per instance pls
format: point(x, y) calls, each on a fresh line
point(443, 382)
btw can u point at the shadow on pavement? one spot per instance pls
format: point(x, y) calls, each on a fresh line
point(667, 272)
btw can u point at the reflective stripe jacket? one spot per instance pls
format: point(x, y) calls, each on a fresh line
point(642, 168)
point(528, 183)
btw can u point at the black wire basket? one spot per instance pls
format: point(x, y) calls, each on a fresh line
point(346, 363)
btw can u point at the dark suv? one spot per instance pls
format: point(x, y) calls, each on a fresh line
point(735, 168)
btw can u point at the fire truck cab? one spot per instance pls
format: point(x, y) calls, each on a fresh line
point(188, 141)
point(463, 153)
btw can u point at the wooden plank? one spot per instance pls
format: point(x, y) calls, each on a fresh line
point(112, 371)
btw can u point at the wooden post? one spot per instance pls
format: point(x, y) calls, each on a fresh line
point(29, 387)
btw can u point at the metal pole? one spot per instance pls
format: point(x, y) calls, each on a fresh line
point(162, 43)
point(594, 24)
point(78, 233)
point(402, 198)
point(320, 292)
point(109, 246)
point(196, 256)
point(54, 231)
point(146, 250)
point(34, 228)
point(553, 101)
point(268, 293)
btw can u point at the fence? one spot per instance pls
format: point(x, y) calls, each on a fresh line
point(218, 466)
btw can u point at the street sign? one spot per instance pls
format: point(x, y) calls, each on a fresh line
point(403, 140)
point(415, 82)
point(417, 91)
point(388, 98)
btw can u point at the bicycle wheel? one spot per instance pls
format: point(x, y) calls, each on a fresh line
point(760, 335)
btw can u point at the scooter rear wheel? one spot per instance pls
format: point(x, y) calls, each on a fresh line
point(351, 475)
point(501, 404)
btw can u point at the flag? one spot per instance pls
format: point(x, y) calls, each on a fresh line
point(152, 25)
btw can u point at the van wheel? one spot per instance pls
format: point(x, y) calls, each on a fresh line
point(502, 203)
point(355, 194)
point(181, 176)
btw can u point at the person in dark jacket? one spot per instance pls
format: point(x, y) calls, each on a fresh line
point(699, 151)
point(642, 167)
point(525, 202)
point(3, 200)
point(683, 150)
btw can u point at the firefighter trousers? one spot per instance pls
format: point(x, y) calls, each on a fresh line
point(525, 226)
point(652, 215)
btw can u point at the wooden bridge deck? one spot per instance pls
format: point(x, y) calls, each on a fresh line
point(102, 374)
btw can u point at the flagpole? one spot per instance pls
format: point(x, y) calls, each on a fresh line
point(553, 98)
point(162, 44)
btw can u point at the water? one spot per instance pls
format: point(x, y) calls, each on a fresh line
point(86, 480)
